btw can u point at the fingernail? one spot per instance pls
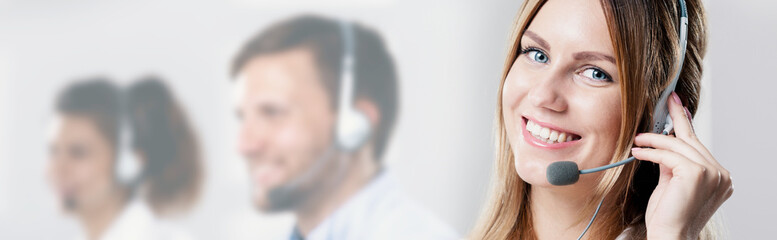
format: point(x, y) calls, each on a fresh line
point(690, 118)
point(635, 149)
point(687, 113)
point(676, 98)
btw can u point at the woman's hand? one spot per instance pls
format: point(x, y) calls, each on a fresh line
point(692, 184)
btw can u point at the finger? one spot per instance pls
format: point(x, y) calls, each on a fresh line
point(659, 141)
point(701, 178)
point(674, 161)
point(726, 187)
point(683, 127)
point(682, 124)
point(728, 193)
point(724, 195)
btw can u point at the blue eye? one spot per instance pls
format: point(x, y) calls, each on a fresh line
point(596, 74)
point(537, 56)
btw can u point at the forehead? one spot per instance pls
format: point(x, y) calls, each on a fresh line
point(573, 25)
point(74, 127)
point(289, 73)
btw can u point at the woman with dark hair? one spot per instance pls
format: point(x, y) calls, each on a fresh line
point(119, 159)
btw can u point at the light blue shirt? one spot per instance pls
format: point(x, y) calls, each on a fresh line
point(380, 211)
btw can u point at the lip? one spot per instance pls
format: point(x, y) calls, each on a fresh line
point(265, 175)
point(540, 144)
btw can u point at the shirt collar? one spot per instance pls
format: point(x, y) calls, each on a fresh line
point(337, 224)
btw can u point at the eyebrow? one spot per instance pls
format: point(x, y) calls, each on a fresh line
point(590, 56)
point(537, 39)
point(593, 56)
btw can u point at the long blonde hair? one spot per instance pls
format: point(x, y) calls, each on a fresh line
point(644, 36)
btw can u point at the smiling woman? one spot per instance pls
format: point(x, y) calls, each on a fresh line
point(581, 79)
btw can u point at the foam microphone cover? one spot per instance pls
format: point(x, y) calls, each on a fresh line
point(563, 173)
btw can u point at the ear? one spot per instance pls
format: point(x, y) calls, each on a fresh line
point(370, 109)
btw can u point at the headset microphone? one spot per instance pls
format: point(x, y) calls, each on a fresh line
point(70, 203)
point(567, 172)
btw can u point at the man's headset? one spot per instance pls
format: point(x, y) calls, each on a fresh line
point(352, 129)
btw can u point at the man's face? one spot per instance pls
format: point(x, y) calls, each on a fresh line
point(286, 120)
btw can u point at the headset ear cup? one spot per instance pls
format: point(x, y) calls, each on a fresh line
point(127, 169)
point(353, 130)
point(353, 127)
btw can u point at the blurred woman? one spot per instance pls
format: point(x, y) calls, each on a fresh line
point(120, 159)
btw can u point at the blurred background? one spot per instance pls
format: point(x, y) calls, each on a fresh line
point(449, 56)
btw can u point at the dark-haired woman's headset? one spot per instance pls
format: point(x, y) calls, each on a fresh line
point(127, 169)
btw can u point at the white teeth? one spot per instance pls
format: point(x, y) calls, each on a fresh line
point(546, 134)
point(553, 136)
point(562, 137)
point(535, 128)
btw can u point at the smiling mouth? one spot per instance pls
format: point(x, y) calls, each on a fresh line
point(548, 135)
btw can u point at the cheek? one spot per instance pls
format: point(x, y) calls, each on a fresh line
point(53, 174)
point(293, 139)
point(606, 115)
point(513, 93)
point(298, 145)
point(516, 87)
point(94, 176)
point(612, 122)
point(603, 115)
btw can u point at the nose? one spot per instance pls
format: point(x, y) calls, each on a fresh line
point(547, 92)
point(252, 140)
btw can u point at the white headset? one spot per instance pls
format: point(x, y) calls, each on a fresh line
point(353, 127)
point(127, 169)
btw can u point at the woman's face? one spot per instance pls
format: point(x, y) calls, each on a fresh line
point(561, 97)
point(80, 164)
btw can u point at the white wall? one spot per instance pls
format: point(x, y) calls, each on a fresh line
point(449, 56)
point(743, 58)
point(3, 144)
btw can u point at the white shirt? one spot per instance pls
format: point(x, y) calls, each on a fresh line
point(137, 221)
point(380, 211)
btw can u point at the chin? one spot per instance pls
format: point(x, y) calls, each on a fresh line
point(261, 203)
point(268, 201)
point(532, 172)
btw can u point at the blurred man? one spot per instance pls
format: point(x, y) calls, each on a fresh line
point(314, 142)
